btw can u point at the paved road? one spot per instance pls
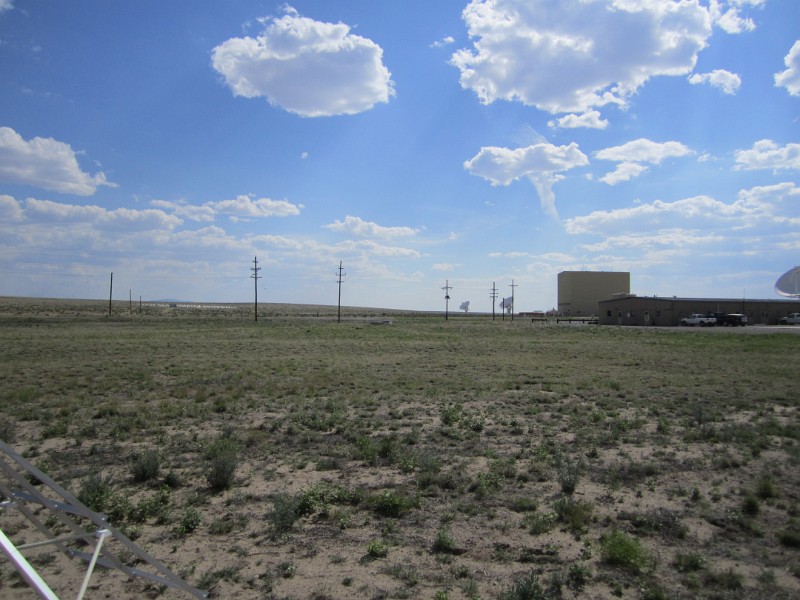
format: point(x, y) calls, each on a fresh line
point(750, 329)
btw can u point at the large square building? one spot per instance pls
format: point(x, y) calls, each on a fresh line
point(580, 292)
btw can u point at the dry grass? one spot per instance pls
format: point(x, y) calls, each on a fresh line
point(300, 458)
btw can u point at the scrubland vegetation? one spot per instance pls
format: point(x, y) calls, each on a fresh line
point(297, 457)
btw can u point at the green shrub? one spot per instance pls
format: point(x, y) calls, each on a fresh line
point(620, 550)
point(389, 504)
point(223, 460)
point(190, 521)
point(96, 492)
point(539, 523)
point(146, 466)
point(377, 549)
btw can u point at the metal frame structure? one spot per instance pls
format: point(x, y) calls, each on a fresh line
point(26, 488)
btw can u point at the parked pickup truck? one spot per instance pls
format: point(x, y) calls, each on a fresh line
point(792, 319)
point(698, 319)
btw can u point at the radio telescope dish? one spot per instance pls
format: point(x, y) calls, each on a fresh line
point(788, 284)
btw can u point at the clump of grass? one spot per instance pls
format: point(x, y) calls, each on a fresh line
point(620, 550)
point(576, 514)
point(443, 543)
point(766, 488)
point(751, 505)
point(689, 562)
point(569, 472)
point(529, 587)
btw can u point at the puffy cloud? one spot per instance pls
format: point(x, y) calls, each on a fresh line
point(306, 67)
point(6, 5)
point(572, 55)
point(364, 228)
point(632, 155)
point(372, 248)
point(10, 209)
point(540, 163)
point(790, 78)
point(731, 20)
point(445, 41)
point(45, 163)
point(124, 219)
point(590, 120)
point(725, 80)
point(752, 206)
point(766, 154)
point(243, 206)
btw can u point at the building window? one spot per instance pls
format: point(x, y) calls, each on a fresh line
point(608, 313)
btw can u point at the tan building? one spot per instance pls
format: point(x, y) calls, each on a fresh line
point(630, 309)
point(580, 292)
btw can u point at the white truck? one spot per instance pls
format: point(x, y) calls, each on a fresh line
point(698, 319)
point(792, 319)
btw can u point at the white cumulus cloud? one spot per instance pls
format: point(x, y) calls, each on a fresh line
point(632, 156)
point(241, 207)
point(719, 78)
point(766, 154)
point(307, 67)
point(590, 120)
point(790, 78)
point(572, 55)
point(45, 163)
point(358, 226)
point(541, 164)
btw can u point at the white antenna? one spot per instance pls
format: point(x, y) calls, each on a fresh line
point(788, 284)
point(86, 527)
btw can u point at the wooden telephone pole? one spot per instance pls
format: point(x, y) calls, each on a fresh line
point(339, 280)
point(446, 289)
point(255, 277)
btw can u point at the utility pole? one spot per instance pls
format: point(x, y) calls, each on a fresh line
point(110, 289)
point(446, 289)
point(512, 286)
point(493, 296)
point(255, 277)
point(339, 280)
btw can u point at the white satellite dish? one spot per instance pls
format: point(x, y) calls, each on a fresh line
point(464, 306)
point(788, 284)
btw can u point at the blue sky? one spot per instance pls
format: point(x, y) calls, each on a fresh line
point(417, 142)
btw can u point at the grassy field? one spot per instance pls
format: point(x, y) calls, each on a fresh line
point(298, 457)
